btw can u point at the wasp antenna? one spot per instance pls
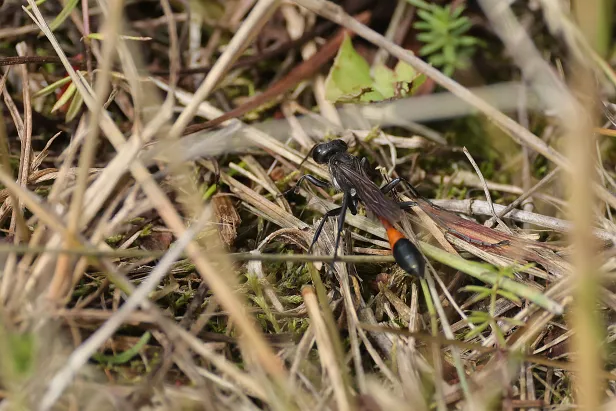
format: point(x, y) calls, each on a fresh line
point(306, 157)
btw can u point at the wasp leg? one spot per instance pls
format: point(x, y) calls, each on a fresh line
point(405, 205)
point(396, 182)
point(345, 204)
point(353, 203)
point(311, 179)
point(317, 233)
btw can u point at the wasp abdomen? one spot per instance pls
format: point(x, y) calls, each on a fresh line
point(408, 257)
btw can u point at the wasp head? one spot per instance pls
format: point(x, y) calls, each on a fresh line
point(324, 151)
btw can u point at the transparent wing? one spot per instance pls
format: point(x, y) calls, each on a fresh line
point(349, 176)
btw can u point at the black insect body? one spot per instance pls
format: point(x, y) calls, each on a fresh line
point(350, 175)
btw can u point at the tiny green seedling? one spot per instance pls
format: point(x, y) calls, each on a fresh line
point(351, 80)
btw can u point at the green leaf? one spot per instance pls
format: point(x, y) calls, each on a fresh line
point(99, 36)
point(74, 108)
point(432, 47)
point(436, 60)
point(477, 317)
point(64, 98)
point(125, 356)
point(475, 289)
point(477, 330)
point(405, 72)
point(467, 41)
point(384, 80)
point(499, 335)
point(457, 11)
point(417, 82)
point(508, 295)
point(349, 75)
point(422, 25)
point(449, 52)
point(460, 23)
point(427, 16)
point(427, 37)
point(367, 94)
point(63, 15)
point(51, 88)
point(448, 70)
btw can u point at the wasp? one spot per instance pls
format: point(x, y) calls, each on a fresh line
point(351, 176)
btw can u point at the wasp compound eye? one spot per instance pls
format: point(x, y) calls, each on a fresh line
point(321, 154)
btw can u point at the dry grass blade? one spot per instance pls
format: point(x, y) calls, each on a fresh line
point(329, 360)
point(143, 268)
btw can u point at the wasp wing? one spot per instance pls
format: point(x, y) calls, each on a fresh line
point(349, 176)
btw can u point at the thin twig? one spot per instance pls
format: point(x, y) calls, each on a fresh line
point(526, 195)
point(486, 190)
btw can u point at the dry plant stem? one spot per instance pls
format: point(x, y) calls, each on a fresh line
point(249, 28)
point(516, 131)
point(26, 154)
point(381, 55)
point(229, 300)
point(17, 219)
point(337, 14)
point(449, 334)
point(111, 29)
point(485, 190)
point(250, 134)
point(296, 25)
point(83, 353)
point(27, 282)
point(326, 349)
point(53, 221)
point(7, 277)
point(478, 207)
point(586, 323)
point(548, 86)
point(528, 193)
point(342, 274)
point(174, 50)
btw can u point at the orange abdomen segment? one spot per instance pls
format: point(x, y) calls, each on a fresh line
point(406, 254)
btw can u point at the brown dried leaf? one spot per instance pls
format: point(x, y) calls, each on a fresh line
point(227, 218)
